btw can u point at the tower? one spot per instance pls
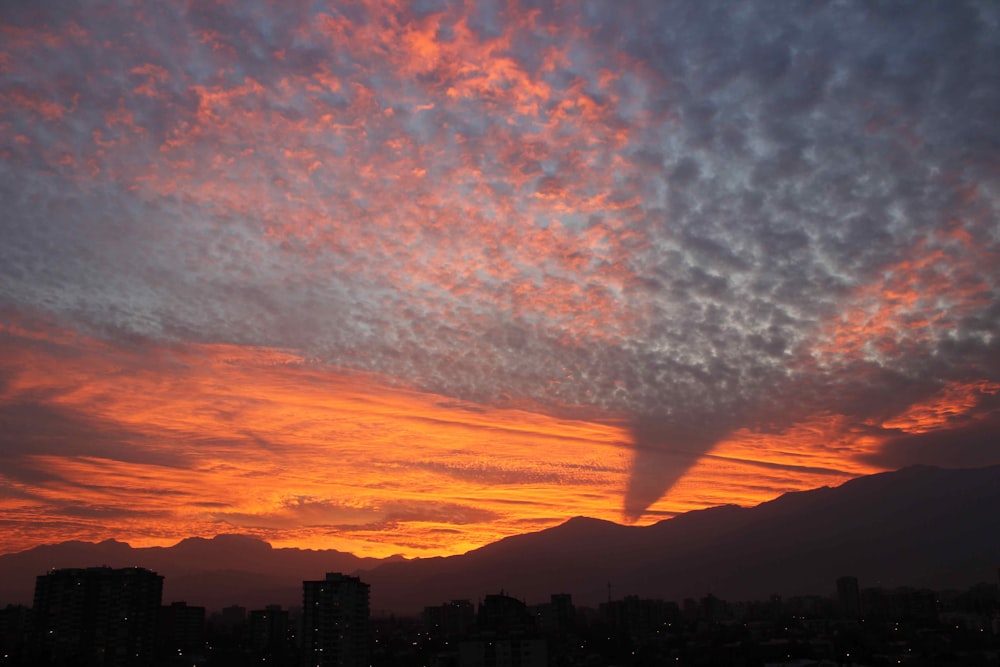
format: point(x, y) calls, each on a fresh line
point(849, 597)
point(97, 616)
point(335, 622)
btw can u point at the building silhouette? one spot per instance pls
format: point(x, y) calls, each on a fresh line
point(562, 613)
point(849, 597)
point(232, 618)
point(505, 636)
point(15, 630)
point(97, 617)
point(503, 614)
point(268, 633)
point(182, 628)
point(635, 616)
point(335, 614)
point(451, 619)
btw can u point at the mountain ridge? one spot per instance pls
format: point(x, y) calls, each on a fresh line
point(920, 525)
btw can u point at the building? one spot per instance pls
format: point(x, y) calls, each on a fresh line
point(269, 633)
point(505, 636)
point(562, 613)
point(639, 617)
point(233, 618)
point(15, 629)
point(98, 616)
point(504, 615)
point(451, 619)
point(182, 629)
point(335, 622)
point(503, 652)
point(849, 597)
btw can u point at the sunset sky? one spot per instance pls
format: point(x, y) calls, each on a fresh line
point(408, 277)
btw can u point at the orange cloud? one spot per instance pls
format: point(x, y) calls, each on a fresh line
point(317, 159)
point(264, 441)
point(481, 197)
point(947, 408)
point(221, 438)
point(750, 467)
point(917, 300)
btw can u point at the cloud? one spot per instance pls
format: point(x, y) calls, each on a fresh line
point(29, 429)
point(696, 220)
point(968, 446)
point(201, 435)
point(956, 427)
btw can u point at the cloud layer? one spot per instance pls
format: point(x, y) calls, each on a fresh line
point(702, 225)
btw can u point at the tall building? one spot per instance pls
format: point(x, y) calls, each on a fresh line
point(98, 616)
point(505, 636)
point(556, 616)
point(849, 597)
point(269, 633)
point(451, 619)
point(233, 618)
point(15, 630)
point(638, 617)
point(182, 629)
point(335, 622)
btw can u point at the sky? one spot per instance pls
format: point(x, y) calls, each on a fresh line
point(408, 277)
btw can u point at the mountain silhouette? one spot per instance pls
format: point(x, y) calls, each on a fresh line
point(217, 572)
point(919, 526)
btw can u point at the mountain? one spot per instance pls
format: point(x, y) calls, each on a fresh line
point(919, 526)
point(218, 572)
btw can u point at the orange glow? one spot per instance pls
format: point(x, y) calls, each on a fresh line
point(949, 405)
point(220, 439)
point(916, 300)
point(488, 206)
point(208, 439)
point(523, 250)
point(749, 467)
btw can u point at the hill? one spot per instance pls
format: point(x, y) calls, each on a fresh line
point(217, 572)
point(919, 526)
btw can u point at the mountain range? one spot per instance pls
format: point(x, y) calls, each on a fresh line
point(919, 526)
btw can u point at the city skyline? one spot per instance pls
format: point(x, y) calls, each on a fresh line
point(105, 616)
point(407, 278)
point(815, 592)
point(921, 526)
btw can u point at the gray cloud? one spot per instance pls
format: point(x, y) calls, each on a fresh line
point(973, 445)
point(781, 158)
point(40, 428)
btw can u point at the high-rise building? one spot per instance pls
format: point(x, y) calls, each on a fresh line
point(849, 597)
point(269, 633)
point(233, 618)
point(182, 628)
point(556, 616)
point(98, 616)
point(15, 630)
point(335, 622)
point(451, 619)
point(505, 636)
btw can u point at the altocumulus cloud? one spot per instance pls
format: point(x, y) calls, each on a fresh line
point(699, 217)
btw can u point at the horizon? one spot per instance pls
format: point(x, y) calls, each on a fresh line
point(409, 278)
point(910, 539)
point(391, 557)
point(257, 538)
